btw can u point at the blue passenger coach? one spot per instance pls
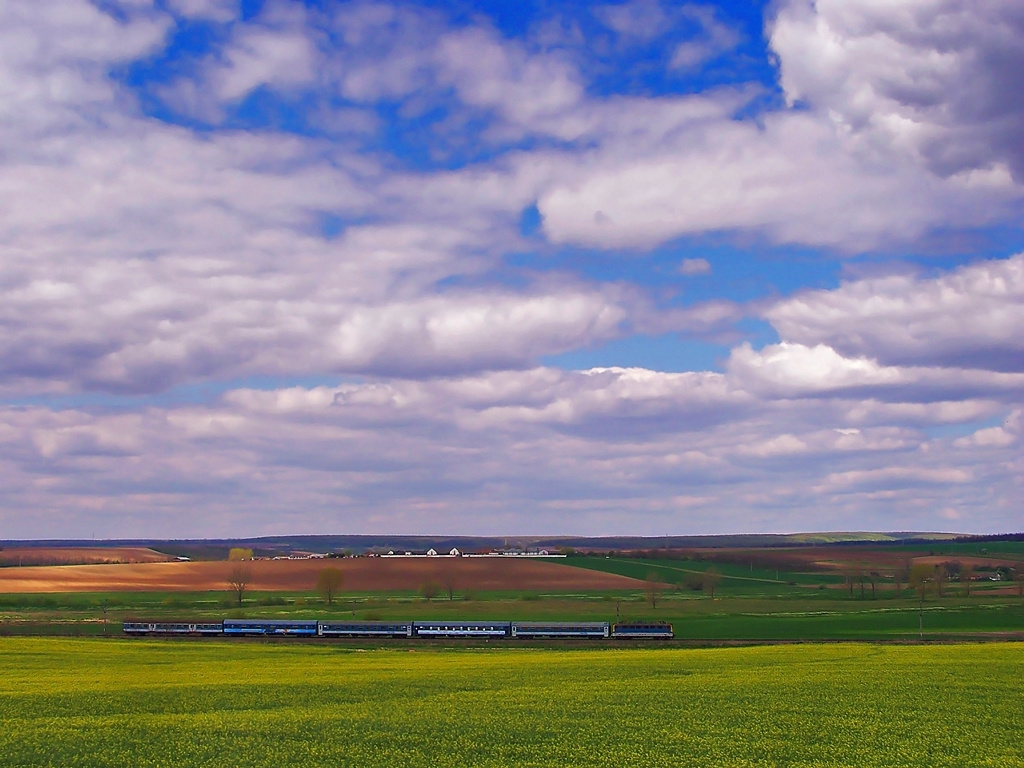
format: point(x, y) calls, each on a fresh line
point(365, 629)
point(462, 628)
point(269, 627)
point(559, 629)
point(172, 628)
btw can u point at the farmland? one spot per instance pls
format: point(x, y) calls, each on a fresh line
point(361, 574)
point(751, 602)
point(117, 702)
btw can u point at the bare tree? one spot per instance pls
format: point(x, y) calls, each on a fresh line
point(329, 582)
point(873, 579)
point(921, 580)
point(902, 575)
point(710, 581)
point(851, 578)
point(1018, 577)
point(940, 577)
point(448, 579)
point(238, 580)
point(653, 588)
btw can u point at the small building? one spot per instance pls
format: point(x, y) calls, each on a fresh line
point(455, 552)
point(431, 552)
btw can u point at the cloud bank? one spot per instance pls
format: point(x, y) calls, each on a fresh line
point(339, 194)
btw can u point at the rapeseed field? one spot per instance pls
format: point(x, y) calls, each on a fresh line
point(94, 702)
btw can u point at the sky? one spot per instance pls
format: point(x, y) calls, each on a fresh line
point(543, 267)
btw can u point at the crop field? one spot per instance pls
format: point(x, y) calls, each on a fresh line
point(362, 574)
point(755, 597)
point(145, 703)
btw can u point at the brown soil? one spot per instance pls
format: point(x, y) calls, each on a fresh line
point(79, 555)
point(360, 575)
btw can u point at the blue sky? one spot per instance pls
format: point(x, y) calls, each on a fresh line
point(634, 267)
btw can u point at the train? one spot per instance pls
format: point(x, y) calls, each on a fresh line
point(446, 628)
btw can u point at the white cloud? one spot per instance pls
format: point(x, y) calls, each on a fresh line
point(641, 19)
point(909, 122)
point(992, 437)
point(276, 51)
point(971, 317)
point(221, 11)
point(796, 369)
point(713, 39)
point(615, 450)
point(136, 255)
point(695, 267)
point(935, 78)
point(139, 255)
point(792, 177)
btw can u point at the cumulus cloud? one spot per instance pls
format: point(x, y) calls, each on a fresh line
point(971, 317)
point(54, 58)
point(935, 78)
point(138, 253)
point(906, 122)
point(276, 52)
point(616, 450)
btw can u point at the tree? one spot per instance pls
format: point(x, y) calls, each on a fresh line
point(710, 580)
point(940, 577)
point(329, 582)
point(873, 577)
point(448, 579)
point(921, 580)
point(953, 569)
point(1018, 577)
point(851, 579)
point(902, 575)
point(652, 588)
point(429, 589)
point(239, 553)
point(967, 578)
point(238, 580)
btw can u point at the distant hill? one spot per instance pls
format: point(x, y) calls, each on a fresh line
point(270, 546)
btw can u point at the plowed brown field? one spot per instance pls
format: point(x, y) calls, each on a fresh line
point(79, 555)
point(360, 575)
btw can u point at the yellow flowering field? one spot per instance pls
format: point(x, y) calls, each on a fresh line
point(95, 702)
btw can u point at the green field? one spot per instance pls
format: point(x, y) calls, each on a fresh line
point(809, 615)
point(95, 702)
